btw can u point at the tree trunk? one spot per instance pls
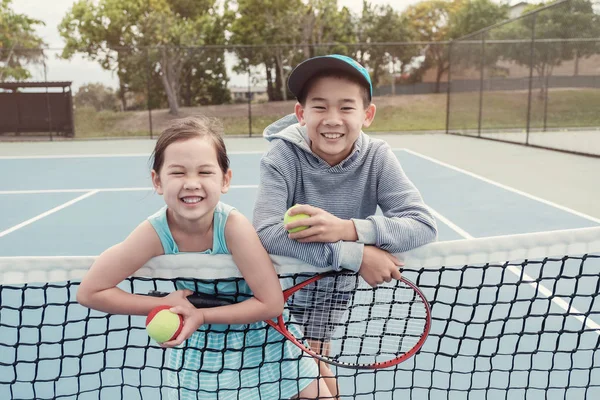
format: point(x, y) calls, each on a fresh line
point(171, 97)
point(281, 74)
point(442, 66)
point(544, 73)
point(278, 80)
point(187, 96)
point(269, 83)
point(169, 82)
point(438, 77)
point(307, 31)
point(122, 91)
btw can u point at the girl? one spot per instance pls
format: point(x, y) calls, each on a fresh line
point(191, 171)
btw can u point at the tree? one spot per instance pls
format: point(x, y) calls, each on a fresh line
point(272, 31)
point(327, 30)
point(475, 15)
point(575, 19)
point(382, 24)
point(281, 33)
point(438, 21)
point(145, 40)
point(19, 44)
point(96, 95)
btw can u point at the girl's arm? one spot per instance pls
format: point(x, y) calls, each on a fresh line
point(257, 269)
point(98, 288)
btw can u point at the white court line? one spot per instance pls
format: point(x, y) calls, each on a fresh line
point(518, 271)
point(45, 214)
point(450, 224)
point(505, 187)
point(130, 189)
point(51, 156)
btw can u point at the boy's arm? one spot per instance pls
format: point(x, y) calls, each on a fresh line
point(275, 195)
point(406, 222)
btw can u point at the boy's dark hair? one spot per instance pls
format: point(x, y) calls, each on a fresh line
point(187, 128)
point(335, 73)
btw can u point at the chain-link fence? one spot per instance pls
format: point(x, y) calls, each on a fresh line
point(244, 86)
point(530, 79)
point(512, 81)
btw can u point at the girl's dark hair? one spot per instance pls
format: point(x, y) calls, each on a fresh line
point(187, 128)
point(335, 73)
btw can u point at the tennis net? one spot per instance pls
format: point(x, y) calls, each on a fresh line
point(513, 317)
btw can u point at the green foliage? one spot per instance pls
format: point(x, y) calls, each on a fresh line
point(475, 15)
point(575, 19)
point(19, 44)
point(268, 24)
point(382, 24)
point(97, 96)
point(306, 27)
point(439, 20)
point(145, 42)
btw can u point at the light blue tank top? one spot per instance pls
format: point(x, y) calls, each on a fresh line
point(161, 226)
point(232, 289)
point(259, 365)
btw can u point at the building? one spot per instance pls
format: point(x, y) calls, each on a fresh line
point(517, 9)
point(240, 94)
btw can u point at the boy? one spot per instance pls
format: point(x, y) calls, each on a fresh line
point(320, 158)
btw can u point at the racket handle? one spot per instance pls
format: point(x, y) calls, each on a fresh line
point(198, 300)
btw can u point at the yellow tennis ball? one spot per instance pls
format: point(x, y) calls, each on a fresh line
point(163, 325)
point(291, 218)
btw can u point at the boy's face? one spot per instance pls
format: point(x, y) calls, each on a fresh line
point(334, 115)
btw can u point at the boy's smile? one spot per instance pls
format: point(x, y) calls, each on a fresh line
point(334, 115)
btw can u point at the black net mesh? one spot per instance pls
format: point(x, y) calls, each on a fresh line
point(508, 322)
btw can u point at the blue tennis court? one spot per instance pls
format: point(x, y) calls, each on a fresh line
point(79, 205)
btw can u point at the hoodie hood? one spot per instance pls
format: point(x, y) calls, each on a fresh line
point(288, 128)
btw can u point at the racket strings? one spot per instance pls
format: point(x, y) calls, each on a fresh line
point(360, 324)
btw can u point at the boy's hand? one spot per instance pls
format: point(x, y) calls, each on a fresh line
point(379, 266)
point(322, 226)
point(192, 320)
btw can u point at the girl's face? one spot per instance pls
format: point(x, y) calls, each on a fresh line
point(190, 179)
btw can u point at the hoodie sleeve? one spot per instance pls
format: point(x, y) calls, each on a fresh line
point(275, 196)
point(406, 222)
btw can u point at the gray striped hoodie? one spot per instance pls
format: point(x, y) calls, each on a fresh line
point(371, 176)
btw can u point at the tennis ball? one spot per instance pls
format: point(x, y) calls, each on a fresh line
point(163, 325)
point(291, 218)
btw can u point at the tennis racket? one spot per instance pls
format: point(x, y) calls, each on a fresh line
point(358, 326)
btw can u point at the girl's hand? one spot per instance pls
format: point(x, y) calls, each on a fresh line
point(193, 318)
point(177, 298)
point(322, 226)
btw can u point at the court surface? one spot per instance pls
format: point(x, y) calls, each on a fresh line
point(67, 204)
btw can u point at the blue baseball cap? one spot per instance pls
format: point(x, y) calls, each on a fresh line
point(307, 69)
